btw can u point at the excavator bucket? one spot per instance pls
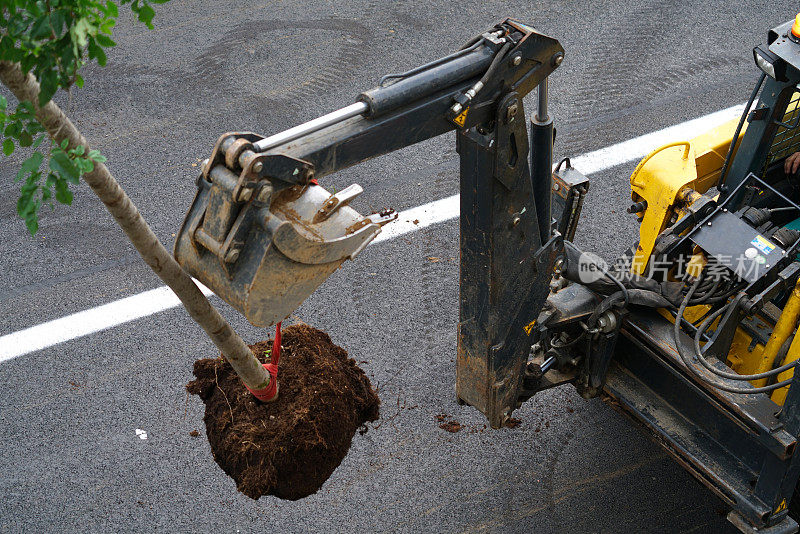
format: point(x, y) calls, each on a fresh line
point(262, 243)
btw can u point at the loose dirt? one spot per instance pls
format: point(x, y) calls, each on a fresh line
point(289, 447)
point(451, 426)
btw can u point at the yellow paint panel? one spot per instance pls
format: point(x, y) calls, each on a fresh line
point(661, 176)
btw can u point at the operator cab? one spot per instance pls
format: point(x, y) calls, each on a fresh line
point(773, 131)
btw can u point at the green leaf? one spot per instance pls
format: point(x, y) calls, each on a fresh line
point(26, 109)
point(13, 129)
point(146, 15)
point(107, 26)
point(63, 166)
point(63, 194)
point(105, 40)
point(32, 222)
point(96, 156)
point(30, 165)
point(3, 102)
point(25, 139)
point(58, 19)
point(96, 52)
point(111, 9)
point(84, 165)
point(41, 28)
point(48, 81)
point(8, 147)
point(79, 80)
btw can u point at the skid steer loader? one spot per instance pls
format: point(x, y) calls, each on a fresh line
point(692, 333)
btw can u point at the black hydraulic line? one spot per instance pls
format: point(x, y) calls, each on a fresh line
point(568, 343)
point(469, 47)
point(731, 376)
point(463, 101)
point(706, 292)
point(472, 41)
point(495, 63)
point(689, 366)
point(721, 179)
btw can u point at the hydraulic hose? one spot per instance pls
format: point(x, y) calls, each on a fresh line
point(690, 366)
point(729, 155)
point(731, 376)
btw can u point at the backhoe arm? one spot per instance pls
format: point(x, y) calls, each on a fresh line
point(263, 235)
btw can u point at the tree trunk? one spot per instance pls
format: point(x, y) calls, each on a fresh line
point(60, 127)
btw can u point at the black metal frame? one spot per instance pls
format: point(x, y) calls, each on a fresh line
point(740, 446)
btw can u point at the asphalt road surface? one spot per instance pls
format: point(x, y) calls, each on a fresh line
point(70, 460)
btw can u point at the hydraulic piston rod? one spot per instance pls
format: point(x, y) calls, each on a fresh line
point(334, 117)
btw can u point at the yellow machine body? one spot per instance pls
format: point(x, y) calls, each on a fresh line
point(669, 180)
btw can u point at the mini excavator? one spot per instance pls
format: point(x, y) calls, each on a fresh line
point(692, 332)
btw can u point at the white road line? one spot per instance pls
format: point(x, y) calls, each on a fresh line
point(160, 299)
point(593, 162)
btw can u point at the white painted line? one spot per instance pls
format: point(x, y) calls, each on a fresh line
point(160, 299)
point(590, 163)
point(89, 321)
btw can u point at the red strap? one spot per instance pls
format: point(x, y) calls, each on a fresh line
point(311, 181)
point(276, 345)
point(271, 391)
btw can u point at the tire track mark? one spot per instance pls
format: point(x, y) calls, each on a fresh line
point(619, 74)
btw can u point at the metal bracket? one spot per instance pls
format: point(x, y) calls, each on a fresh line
point(511, 141)
point(337, 200)
point(569, 191)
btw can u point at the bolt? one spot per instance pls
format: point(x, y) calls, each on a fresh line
point(556, 187)
point(517, 60)
point(245, 194)
point(232, 255)
point(265, 193)
point(709, 223)
point(512, 110)
point(258, 167)
point(515, 220)
point(557, 59)
point(637, 207)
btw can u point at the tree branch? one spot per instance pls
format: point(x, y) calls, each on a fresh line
point(60, 127)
